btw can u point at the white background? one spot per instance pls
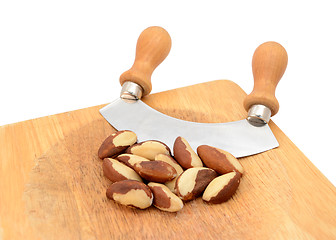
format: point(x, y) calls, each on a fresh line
point(58, 56)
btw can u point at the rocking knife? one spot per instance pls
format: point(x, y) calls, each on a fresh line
point(241, 138)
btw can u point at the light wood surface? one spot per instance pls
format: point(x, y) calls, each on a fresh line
point(152, 48)
point(269, 63)
point(52, 186)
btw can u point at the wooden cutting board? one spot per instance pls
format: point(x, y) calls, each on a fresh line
point(52, 186)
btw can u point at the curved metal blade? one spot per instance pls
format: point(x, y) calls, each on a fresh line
point(239, 138)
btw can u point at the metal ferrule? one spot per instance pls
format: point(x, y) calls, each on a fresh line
point(131, 92)
point(259, 115)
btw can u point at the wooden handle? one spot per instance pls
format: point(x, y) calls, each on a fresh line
point(268, 65)
point(152, 48)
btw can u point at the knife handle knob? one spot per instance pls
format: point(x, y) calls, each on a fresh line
point(269, 63)
point(152, 48)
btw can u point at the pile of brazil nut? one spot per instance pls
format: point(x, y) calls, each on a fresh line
point(146, 173)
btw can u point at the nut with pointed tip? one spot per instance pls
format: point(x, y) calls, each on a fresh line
point(222, 188)
point(130, 160)
point(219, 160)
point(184, 154)
point(116, 143)
point(149, 149)
point(155, 171)
point(117, 171)
point(192, 182)
point(131, 193)
point(164, 199)
point(168, 159)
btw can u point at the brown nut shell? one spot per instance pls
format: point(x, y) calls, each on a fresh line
point(131, 193)
point(116, 143)
point(222, 188)
point(155, 171)
point(164, 199)
point(184, 154)
point(192, 182)
point(149, 149)
point(117, 171)
point(219, 160)
point(130, 160)
point(170, 160)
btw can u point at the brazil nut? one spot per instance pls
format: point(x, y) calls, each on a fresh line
point(117, 171)
point(184, 154)
point(219, 160)
point(192, 182)
point(164, 199)
point(222, 188)
point(149, 149)
point(116, 143)
point(131, 193)
point(155, 171)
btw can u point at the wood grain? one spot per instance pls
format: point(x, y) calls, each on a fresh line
point(53, 188)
